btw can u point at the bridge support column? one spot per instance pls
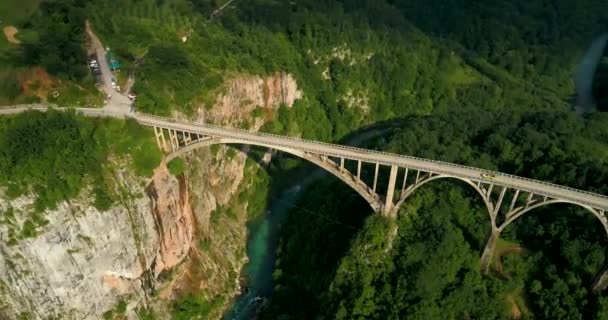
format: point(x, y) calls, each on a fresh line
point(161, 134)
point(376, 177)
point(174, 140)
point(488, 251)
point(359, 170)
point(529, 199)
point(513, 202)
point(157, 135)
point(388, 204)
point(187, 138)
point(404, 180)
point(601, 280)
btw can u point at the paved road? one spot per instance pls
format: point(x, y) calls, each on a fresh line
point(593, 200)
point(117, 102)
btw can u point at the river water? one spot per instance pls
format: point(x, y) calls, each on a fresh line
point(263, 238)
point(261, 247)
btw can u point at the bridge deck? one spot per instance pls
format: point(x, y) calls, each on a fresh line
point(371, 156)
point(593, 200)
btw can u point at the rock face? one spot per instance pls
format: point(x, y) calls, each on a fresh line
point(85, 260)
point(173, 217)
point(243, 94)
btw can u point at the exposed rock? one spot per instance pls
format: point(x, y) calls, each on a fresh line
point(357, 99)
point(84, 260)
point(67, 267)
point(174, 220)
point(244, 93)
point(217, 175)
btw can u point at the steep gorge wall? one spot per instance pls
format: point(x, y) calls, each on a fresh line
point(84, 261)
point(216, 176)
point(244, 93)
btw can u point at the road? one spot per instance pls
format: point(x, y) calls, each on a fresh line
point(117, 102)
point(593, 200)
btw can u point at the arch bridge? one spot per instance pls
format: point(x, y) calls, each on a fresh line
point(506, 197)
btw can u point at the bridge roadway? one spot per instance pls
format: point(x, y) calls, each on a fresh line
point(590, 199)
point(384, 158)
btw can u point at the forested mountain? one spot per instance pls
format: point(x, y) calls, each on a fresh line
point(499, 91)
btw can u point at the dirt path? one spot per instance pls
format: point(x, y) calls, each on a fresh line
point(10, 32)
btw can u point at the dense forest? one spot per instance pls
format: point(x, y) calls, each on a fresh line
point(481, 84)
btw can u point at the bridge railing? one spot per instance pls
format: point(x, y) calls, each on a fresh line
point(355, 149)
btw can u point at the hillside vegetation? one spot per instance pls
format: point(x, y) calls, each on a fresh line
point(357, 62)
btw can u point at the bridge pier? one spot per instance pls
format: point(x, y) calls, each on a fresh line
point(404, 181)
point(488, 251)
point(390, 192)
point(174, 139)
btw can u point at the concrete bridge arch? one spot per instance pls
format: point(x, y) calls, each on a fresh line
point(328, 165)
point(182, 142)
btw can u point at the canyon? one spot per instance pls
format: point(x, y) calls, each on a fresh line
point(167, 236)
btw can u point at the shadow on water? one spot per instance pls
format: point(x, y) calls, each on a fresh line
point(264, 232)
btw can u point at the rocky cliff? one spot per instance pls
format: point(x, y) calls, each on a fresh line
point(244, 93)
point(83, 261)
point(219, 174)
point(166, 236)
